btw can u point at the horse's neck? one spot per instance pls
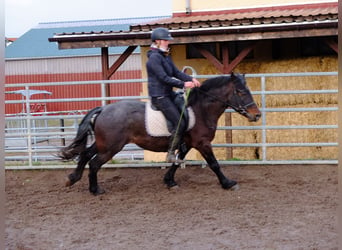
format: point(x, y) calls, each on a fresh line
point(209, 114)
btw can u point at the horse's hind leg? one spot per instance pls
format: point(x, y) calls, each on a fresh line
point(84, 157)
point(94, 166)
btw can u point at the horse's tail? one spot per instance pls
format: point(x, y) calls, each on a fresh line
point(85, 129)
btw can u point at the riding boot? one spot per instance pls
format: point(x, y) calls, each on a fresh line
point(173, 145)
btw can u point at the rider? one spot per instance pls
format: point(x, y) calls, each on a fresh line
point(162, 77)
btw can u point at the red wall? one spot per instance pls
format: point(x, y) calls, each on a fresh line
point(75, 91)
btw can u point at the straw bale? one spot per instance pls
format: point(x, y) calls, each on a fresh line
point(312, 64)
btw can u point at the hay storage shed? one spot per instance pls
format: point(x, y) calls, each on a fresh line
point(216, 39)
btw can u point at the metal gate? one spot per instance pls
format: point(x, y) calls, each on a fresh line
point(37, 147)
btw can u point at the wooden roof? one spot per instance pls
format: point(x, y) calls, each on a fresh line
point(249, 24)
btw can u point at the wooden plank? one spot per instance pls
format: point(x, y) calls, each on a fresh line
point(239, 58)
point(122, 58)
point(225, 58)
point(332, 44)
point(229, 135)
point(105, 66)
point(205, 38)
point(211, 58)
point(104, 63)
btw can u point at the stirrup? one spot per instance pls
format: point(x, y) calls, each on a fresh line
point(172, 158)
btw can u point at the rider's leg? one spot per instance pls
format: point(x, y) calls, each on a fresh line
point(170, 111)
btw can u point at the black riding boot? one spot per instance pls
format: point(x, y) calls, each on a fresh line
point(173, 145)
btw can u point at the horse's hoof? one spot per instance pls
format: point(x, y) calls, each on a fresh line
point(235, 187)
point(71, 180)
point(229, 184)
point(170, 184)
point(98, 191)
point(68, 183)
point(175, 187)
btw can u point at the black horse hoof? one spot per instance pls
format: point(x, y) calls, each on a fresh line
point(97, 191)
point(230, 184)
point(170, 184)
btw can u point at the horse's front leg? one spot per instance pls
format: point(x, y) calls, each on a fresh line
point(169, 178)
point(207, 153)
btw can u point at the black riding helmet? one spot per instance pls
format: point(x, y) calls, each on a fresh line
point(161, 34)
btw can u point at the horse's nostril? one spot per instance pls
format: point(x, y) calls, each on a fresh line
point(257, 116)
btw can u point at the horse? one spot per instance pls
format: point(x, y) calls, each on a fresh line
point(117, 124)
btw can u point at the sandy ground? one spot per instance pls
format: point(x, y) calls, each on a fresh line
point(276, 207)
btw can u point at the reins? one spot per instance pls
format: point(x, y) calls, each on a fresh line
point(241, 109)
point(187, 92)
point(227, 104)
point(194, 73)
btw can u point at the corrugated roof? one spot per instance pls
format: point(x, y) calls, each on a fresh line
point(228, 24)
point(35, 44)
point(282, 14)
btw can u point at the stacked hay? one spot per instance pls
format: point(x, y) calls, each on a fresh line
point(292, 118)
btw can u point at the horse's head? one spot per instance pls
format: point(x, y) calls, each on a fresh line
point(241, 99)
point(226, 92)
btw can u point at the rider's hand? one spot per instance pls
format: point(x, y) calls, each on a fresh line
point(192, 84)
point(189, 85)
point(196, 82)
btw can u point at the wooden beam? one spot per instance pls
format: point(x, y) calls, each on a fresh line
point(105, 66)
point(211, 58)
point(104, 62)
point(122, 58)
point(225, 58)
point(107, 71)
point(225, 67)
point(227, 116)
point(239, 58)
point(204, 38)
point(332, 44)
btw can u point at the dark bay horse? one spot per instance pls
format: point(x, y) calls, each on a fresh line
point(120, 123)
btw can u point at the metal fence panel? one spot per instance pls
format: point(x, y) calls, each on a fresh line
point(33, 138)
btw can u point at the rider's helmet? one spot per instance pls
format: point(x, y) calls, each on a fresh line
point(161, 34)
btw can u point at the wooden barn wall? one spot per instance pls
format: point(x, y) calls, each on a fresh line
point(65, 70)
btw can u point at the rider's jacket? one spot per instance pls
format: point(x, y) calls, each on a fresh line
point(163, 75)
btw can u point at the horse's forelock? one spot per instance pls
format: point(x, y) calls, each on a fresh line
point(240, 82)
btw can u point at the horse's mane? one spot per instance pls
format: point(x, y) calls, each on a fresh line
point(209, 84)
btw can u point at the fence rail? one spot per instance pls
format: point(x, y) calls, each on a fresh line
point(33, 138)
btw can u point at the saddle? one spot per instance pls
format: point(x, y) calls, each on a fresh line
point(157, 125)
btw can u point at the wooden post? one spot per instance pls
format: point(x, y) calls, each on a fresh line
point(226, 67)
point(227, 116)
point(105, 67)
point(107, 71)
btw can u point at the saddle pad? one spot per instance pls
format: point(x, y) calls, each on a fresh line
point(156, 124)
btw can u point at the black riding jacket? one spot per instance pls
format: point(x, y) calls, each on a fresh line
point(163, 75)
